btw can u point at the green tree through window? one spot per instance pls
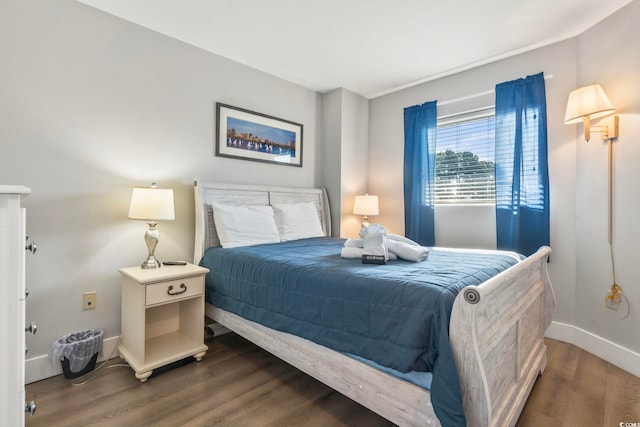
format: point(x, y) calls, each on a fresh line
point(465, 171)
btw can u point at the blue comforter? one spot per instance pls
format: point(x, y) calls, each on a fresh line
point(396, 315)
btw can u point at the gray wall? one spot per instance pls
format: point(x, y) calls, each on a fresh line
point(608, 54)
point(91, 106)
point(332, 154)
point(345, 151)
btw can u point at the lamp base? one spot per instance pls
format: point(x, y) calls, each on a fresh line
point(151, 262)
point(151, 238)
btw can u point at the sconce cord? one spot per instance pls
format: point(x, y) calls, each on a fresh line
point(613, 263)
point(615, 294)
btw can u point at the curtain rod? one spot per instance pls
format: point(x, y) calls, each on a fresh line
point(476, 95)
point(475, 112)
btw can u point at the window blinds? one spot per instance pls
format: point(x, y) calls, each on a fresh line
point(465, 155)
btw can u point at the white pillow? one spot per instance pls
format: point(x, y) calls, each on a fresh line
point(244, 225)
point(297, 221)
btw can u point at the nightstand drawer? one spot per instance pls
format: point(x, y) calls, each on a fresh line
point(173, 290)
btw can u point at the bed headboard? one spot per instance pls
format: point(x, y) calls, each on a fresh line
point(243, 194)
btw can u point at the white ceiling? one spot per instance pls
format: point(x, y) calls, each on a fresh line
point(370, 47)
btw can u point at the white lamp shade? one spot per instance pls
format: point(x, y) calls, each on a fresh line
point(152, 204)
point(587, 102)
point(366, 205)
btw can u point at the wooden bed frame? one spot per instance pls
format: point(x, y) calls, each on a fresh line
point(496, 329)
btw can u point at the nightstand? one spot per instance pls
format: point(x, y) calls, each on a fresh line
point(162, 316)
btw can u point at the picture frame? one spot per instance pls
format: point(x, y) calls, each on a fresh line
point(249, 135)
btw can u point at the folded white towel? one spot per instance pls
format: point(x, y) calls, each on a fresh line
point(351, 252)
point(403, 239)
point(376, 245)
point(374, 240)
point(353, 243)
point(371, 230)
point(407, 251)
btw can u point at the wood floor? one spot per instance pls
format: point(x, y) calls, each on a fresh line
point(238, 384)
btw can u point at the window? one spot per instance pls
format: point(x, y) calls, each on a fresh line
point(465, 155)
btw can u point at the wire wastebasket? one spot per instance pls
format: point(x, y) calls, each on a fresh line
point(77, 352)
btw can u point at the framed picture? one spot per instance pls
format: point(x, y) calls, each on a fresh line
point(247, 135)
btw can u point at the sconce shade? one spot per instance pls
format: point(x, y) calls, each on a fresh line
point(366, 205)
point(587, 102)
point(152, 204)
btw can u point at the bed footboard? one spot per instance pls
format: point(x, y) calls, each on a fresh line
point(497, 337)
point(399, 401)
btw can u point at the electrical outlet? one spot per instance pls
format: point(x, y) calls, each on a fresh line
point(89, 300)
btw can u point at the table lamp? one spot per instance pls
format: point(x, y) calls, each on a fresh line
point(365, 205)
point(152, 205)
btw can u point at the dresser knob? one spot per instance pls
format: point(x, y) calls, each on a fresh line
point(30, 407)
point(26, 293)
point(32, 328)
point(32, 247)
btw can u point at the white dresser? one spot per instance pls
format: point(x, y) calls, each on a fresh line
point(13, 241)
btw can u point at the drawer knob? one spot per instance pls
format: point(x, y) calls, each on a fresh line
point(32, 247)
point(32, 328)
point(30, 407)
point(182, 286)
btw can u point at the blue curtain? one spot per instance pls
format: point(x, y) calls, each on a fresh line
point(420, 123)
point(522, 172)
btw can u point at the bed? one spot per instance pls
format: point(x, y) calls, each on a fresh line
point(495, 331)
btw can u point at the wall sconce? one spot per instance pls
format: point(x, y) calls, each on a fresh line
point(365, 205)
point(152, 205)
point(586, 103)
point(590, 102)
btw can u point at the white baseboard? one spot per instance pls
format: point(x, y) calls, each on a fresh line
point(39, 367)
point(611, 352)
